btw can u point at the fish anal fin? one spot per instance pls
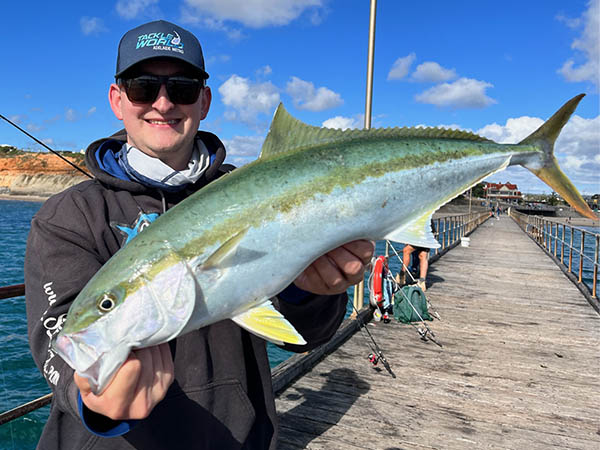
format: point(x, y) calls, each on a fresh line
point(417, 233)
point(268, 323)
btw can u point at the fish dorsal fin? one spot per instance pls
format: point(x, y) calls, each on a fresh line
point(288, 133)
point(268, 323)
point(417, 233)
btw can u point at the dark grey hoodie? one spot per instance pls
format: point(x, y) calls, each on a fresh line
point(222, 395)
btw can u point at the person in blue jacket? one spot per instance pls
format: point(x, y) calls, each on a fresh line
point(210, 388)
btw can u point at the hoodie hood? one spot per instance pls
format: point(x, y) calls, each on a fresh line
point(101, 159)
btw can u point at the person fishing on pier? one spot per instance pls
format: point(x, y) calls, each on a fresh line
point(420, 262)
point(210, 388)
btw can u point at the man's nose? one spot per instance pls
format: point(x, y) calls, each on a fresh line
point(163, 103)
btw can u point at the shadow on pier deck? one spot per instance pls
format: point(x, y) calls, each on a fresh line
point(519, 367)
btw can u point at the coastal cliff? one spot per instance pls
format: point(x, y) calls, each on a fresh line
point(37, 174)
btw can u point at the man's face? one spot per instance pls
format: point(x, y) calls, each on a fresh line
point(161, 129)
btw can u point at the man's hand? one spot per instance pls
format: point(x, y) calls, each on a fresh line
point(140, 383)
point(337, 270)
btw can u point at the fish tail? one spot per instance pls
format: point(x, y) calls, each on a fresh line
point(546, 166)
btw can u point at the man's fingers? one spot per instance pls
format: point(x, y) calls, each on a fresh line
point(311, 281)
point(329, 272)
point(347, 263)
point(83, 384)
point(363, 249)
point(168, 366)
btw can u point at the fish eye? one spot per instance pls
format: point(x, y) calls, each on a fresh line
point(107, 302)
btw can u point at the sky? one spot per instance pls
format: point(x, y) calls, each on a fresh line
point(498, 69)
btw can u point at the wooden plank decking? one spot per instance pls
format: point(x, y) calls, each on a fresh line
point(519, 367)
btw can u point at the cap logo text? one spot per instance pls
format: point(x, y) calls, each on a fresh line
point(161, 41)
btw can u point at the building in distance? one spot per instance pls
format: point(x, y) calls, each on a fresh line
point(507, 192)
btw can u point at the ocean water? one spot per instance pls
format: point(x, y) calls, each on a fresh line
point(20, 381)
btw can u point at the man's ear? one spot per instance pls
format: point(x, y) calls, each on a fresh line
point(206, 98)
point(114, 98)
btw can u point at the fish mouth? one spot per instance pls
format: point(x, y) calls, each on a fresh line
point(99, 367)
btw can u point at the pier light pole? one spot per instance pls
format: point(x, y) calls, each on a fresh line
point(359, 289)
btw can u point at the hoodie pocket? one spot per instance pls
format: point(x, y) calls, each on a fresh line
point(216, 415)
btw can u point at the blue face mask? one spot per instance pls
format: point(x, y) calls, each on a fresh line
point(153, 172)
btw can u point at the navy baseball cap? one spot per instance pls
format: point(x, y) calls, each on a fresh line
point(159, 39)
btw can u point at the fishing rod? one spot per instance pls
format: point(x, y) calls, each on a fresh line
point(428, 331)
point(377, 354)
point(429, 305)
point(44, 145)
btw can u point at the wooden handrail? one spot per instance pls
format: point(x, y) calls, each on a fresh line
point(12, 291)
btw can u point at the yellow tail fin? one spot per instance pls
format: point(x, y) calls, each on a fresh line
point(547, 169)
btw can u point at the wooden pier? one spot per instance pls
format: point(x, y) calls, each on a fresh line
point(519, 367)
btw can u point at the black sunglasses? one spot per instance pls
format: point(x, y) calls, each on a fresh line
point(144, 88)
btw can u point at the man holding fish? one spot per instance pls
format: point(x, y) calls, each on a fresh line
point(205, 385)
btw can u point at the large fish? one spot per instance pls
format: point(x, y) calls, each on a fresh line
point(226, 250)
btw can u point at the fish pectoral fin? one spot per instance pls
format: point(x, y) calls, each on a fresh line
point(227, 248)
point(417, 233)
point(268, 323)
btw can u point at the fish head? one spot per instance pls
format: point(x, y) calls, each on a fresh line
point(107, 320)
point(91, 340)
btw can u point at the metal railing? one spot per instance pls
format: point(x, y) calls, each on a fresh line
point(6, 292)
point(571, 246)
point(448, 231)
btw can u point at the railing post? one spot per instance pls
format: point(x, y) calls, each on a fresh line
point(444, 235)
point(555, 226)
point(571, 251)
point(562, 245)
point(437, 230)
point(595, 277)
point(581, 256)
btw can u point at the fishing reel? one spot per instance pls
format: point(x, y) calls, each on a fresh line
point(374, 359)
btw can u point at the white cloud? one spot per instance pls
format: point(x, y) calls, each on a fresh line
point(585, 66)
point(245, 100)
point(305, 96)
point(462, 93)
point(71, 115)
point(264, 71)
point(34, 127)
point(91, 111)
point(514, 131)
point(246, 146)
point(91, 25)
point(52, 120)
point(432, 72)
point(344, 123)
point(243, 149)
point(130, 9)
point(189, 16)
point(217, 59)
point(16, 118)
point(572, 162)
point(577, 150)
point(580, 137)
point(569, 21)
point(401, 67)
point(251, 13)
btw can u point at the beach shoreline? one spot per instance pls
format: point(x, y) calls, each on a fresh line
point(576, 221)
point(24, 198)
